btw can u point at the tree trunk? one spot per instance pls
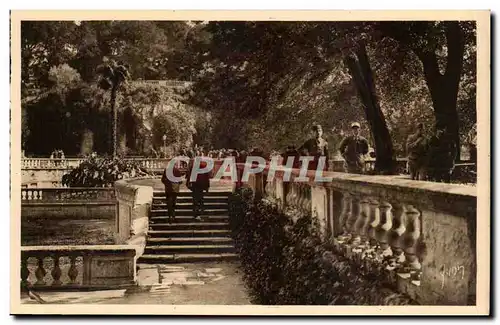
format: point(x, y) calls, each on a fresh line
point(442, 87)
point(363, 78)
point(114, 126)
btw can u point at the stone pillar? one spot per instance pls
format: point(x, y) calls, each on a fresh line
point(447, 259)
point(319, 207)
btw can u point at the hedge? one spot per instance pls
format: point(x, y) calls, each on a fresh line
point(287, 263)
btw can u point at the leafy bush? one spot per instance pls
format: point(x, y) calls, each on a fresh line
point(287, 263)
point(102, 172)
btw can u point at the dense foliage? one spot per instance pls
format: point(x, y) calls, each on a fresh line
point(257, 83)
point(99, 172)
point(273, 80)
point(287, 263)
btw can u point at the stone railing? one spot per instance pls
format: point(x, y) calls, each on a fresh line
point(50, 163)
point(150, 163)
point(68, 202)
point(418, 236)
point(63, 268)
point(337, 165)
point(67, 194)
point(168, 83)
point(132, 213)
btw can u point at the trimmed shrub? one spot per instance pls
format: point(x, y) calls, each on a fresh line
point(102, 172)
point(287, 263)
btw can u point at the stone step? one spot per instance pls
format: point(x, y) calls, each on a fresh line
point(161, 194)
point(190, 226)
point(189, 241)
point(190, 212)
point(186, 258)
point(189, 205)
point(188, 233)
point(185, 219)
point(189, 200)
point(184, 249)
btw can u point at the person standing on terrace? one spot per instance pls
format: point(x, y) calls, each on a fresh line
point(416, 147)
point(317, 147)
point(353, 148)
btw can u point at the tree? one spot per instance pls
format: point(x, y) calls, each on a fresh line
point(440, 47)
point(113, 75)
point(361, 72)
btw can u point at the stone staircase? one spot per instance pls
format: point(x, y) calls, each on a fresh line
point(186, 240)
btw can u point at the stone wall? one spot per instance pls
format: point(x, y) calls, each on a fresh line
point(420, 234)
point(89, 210)
point(132, 214)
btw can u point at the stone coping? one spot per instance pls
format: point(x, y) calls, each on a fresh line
point(393, 181)
point(68, 189)
point(73, 248)
point(34, 203)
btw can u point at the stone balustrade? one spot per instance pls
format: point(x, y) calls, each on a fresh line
point(167, 83)
point(410, 233)
point(67, 194)
point(50, 163)
point(63, 268)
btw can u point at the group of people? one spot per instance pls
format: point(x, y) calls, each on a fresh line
point(428, 159)
point(431, 158)
point(353, 149)
point(198, 187)
point(57, 154)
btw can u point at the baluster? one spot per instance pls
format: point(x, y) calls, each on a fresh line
point(40, 272)
point(298, 195)
point(305, 199)
point(382, 232)
point(361, 223)
point(411, 239)
point(301, 196)
point(353, 215)
point(23, 195)
point(267, 189)
point(293, 194)
point(306, 203)
point(30, 195)
point(374, 221)
point(396, 236)
point(344, 215)
point(288, 188)
point(25, 272)
point(73, 271)
point(56, 271)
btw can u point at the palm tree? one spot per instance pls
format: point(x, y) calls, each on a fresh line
point(112, 76)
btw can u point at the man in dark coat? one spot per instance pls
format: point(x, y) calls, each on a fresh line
point(353, 148)
point(441, 156)
point(416, 148)
point(317, 147)
point(172, 189)
point(197, 187)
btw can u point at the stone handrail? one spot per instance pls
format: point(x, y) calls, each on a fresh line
point(132, 213)
point(168, 83)
point(77, 267)
point(419, 235)
point(67, 194)
point(50, 163)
